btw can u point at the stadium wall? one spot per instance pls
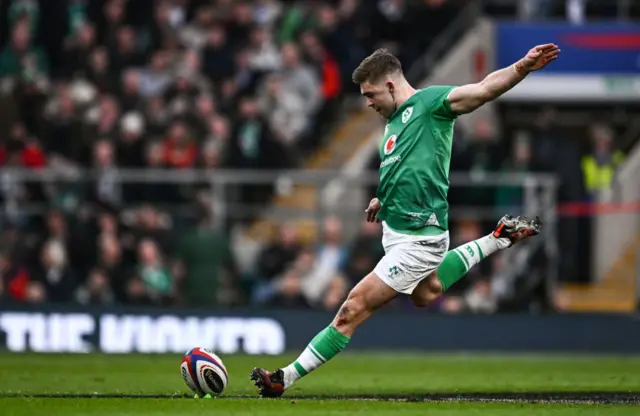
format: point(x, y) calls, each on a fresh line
point(122, 330)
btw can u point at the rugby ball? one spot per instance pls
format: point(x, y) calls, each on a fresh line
point(204, 372)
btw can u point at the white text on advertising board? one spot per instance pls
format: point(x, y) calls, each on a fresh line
point(83, 333)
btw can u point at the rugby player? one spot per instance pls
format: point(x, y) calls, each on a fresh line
point(411, 201)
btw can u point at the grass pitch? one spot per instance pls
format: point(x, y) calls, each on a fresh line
point(353, 383)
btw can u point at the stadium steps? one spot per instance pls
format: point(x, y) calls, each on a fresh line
point(615, 293)
point(340, 147)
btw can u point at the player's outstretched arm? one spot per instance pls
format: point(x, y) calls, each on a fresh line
point(467, 98)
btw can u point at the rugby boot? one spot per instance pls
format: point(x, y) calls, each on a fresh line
point(270, 384)
point(517, 229)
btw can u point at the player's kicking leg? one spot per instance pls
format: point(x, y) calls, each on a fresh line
point(458, 261)
point(372, 293)
point(364, 299)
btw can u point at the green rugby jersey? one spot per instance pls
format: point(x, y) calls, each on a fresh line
point(414, 170)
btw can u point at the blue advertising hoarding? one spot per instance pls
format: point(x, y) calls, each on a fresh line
point(586, 49)
point(598, 62)
point(120, 330)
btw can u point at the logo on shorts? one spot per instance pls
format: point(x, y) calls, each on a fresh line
point(390, 145)
point(393, 271)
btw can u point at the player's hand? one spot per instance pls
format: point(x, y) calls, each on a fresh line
point(538, 57)
point(372, 210)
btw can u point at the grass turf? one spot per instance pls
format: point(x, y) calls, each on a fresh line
point(350, 384)
point(132, 407)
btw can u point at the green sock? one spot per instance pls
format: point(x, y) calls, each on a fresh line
point(323, 347)
point(459, 260)
point(451, 270)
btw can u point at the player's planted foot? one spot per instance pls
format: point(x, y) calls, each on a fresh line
point(517, 229)
point(270, 384)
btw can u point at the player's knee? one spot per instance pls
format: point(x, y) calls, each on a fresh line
point(429, 293)
point(435, 286)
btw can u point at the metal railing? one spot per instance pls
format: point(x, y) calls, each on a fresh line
point(229, 189)
point(538, 190)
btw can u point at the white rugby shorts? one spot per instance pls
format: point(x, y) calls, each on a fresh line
point(409, 259)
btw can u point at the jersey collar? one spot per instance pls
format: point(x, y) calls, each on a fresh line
point(403, 105)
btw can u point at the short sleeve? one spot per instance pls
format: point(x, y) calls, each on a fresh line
point(436, 101)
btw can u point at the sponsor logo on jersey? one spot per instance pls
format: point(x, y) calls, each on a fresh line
point(390, 145)
point(406, 114)
point(389, 161)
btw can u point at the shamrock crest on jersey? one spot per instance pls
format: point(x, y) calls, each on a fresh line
point(406, 114)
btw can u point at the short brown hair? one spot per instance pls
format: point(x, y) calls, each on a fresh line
point(375, 66)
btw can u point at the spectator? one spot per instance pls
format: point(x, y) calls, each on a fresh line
point(284, 111)
point(63, 137)
point(180, 150)
point(287, 289)
point(206, 262)
point(280, 254)
point(102, 119)
point(300, 79)
point(98, 70)
point(54, 274)
point(14, 280)
point(20, 58)
point(130, 97)
point(600, 165)
point(125, 53)
point(154, 272)
point(97, 290)
point(264, 56)
point(510, 198)
point(194, 35)
point(217, 55)
point(77, 50)
point(131, 145)
point(110, 262)
point(156, 79)
point(330, 259)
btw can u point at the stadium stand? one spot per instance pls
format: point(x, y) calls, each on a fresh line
point(215, 85)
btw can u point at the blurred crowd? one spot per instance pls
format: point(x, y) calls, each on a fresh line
point(173, 84)
point(210, 84)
